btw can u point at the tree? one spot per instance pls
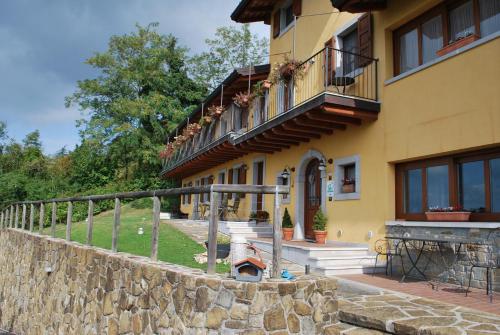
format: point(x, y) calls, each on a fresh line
point(3, 136)
point(142, 92)
point(231, 48)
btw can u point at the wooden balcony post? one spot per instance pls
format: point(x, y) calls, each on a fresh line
point(11, 219)
point(54, 220)
point(116, 225)
point(23, 218)
point(16, 219)
point(212, 232)
point(155, 229)
point(1, 219)
point(277, 236)
point(90, 222)
point(69, 217)
point(41, 221)
point(32, 217)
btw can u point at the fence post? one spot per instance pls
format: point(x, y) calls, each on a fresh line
point(116, 225)
point(32, 217)
point(277, 236)
point(212, 232)
point(23, 219)
point(16, 219)
point(11, 220)
point(42, 214)
point(1, 220)
point(54, 219)
point(69, 216)
point(155, 229)
point(90, 223)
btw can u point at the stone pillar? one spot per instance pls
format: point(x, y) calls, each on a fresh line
point(238, 249)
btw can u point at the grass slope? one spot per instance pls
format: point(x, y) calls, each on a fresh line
point(173, 245)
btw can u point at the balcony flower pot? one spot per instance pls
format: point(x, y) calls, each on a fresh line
point(448, 216)
point(267, 84)
point(243, 99)
point(287, 234)
point(348, 188)
point(216, 111)
point(320, 236)
point(457, 44)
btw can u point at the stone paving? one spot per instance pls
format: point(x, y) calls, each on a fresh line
point(399, 313)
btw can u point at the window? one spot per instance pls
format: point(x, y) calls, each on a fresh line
point(286, 18)
point(190, 184)
point(283, 18)
point(350, 44)
point(470, 181)
point(434, 33)
point(347, 178)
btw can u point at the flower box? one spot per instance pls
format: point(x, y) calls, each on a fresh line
point(448, 216)
point(457, 44)
point(348, 188)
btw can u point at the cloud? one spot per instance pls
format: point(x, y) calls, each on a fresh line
point(45, 44)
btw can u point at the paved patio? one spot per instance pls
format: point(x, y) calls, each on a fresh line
point(446, 293)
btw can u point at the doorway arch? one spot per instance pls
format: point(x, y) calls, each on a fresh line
point(300, 187)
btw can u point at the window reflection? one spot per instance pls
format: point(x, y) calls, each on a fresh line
point(471, 184)
point(495, 184)
point(437, 186)
point(413, 185)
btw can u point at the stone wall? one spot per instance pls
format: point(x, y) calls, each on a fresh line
point(49, 286)
point(446, 265)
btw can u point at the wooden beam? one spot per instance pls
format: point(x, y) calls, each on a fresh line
point(116, 225)
point(277, 236)
point(156, 228)
point(298, 130)
point(273, 137)
point(245, 147)
point(305, 127)
point(32, 217)
point(260, 140)
point(90, 222)
point(323, 117)
point(69, 217)
point(212, 233)
point(267, 145)
point(320, 124)
point(54, 219)
point(290, 134)
point(257, 148)
point(358, 114)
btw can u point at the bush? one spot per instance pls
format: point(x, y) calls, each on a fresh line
point(287, 221)
point(320, 221)
point(142, 203)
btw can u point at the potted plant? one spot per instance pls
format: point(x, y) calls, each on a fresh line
point(319, 227)
point(452, 213)
point(193, 129)
point(262, 216)
point(223, 246)
point(167, 151)
point(205, 120)
point(216, 111)
point(287, 226)
point(348, 185)
point(460, 41)
point(287, 70)
point(243, 99)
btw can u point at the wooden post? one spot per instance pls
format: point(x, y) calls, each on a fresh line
point(155, 229)
point(90, 222)
point(23, 219)
point(1, 220)
point(16, 219)
point(54, 219)
point(32, 217)
point(11, 220)
point(116, 225)
point(42, 214)
point(277, 235)
point(212, 232)
point(69, 217)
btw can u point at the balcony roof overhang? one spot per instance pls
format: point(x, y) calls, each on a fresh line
point(322, 115)
point(359, 6)
point(253, 11)
point(236, 82)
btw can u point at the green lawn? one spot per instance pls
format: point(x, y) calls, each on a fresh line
point(174, 246)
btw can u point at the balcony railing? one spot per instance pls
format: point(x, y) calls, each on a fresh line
point(329, 71)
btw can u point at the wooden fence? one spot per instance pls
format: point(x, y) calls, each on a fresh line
point(9, 216)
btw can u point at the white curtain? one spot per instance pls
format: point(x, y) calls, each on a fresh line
point(408, 55)
point(461, 21)
point(489, 12)
point(432, 38)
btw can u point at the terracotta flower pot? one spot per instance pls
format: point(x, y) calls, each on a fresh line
point(320, 236)
point(457, 44)
point(448, 216)
point(348, 188)
point(287, 233)
point(267, 84)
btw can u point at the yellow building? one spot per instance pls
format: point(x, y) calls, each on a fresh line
point(386, 109)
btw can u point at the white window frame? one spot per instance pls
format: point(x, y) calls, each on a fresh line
point(338, 166)
point(339, 34)
point(284, 29)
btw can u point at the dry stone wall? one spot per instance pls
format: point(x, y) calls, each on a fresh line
point(50, 286)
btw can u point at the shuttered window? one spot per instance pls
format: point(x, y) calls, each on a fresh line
point(284, 16)
point(365, 44)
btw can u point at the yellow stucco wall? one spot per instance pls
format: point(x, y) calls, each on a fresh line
point(451, 106)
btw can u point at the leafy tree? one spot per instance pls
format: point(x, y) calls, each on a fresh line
point(231, 48)
point(142, 92)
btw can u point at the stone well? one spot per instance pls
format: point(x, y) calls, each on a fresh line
point(50, 286)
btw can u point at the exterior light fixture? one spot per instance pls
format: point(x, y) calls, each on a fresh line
point(322, 165)
point(285, 174)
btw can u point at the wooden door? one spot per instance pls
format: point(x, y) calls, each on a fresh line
point(260, 181)
point(312, 196)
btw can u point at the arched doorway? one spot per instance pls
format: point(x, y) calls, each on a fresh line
point(312, 196)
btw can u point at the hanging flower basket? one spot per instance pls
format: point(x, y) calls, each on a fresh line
point(267, 84)
point(167, 151)
point(180, 139)
point(243, 99)
point(290, 69)
point(216, 111)
point(205, 120)
point(194, 128)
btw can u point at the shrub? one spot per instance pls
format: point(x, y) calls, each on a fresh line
point(287, 221)
point(142, 203)
point(320, 221)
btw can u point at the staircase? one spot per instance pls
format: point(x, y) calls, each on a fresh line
point(332, 259)
point(247, 229)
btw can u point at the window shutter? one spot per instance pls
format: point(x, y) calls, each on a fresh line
point(297, 7)
point(331, 60)
point(242, 178)
point(230, 181)
point(365, 39)
point(276, 23)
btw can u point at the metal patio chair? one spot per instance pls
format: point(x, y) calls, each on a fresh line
point(389, 248)
point(233, 209)
point(486, 257)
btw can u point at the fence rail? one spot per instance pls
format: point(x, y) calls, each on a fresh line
point(10, 220)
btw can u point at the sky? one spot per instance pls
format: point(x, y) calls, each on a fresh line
point(44, 44)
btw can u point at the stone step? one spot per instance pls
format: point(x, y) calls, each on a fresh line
point(346, 270)
point(365, 260)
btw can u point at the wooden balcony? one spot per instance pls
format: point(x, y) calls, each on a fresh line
point(336, 90)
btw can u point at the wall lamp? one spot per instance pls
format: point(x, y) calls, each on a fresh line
point(287, 173)
point(322, 164)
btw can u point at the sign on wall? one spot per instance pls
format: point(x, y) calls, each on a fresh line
point(330, 188)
